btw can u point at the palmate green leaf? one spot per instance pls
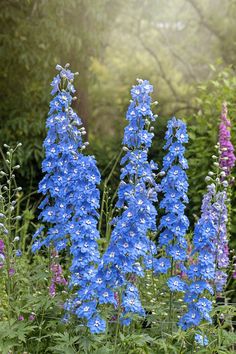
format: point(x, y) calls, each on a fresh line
point(104, 350)
point(165, 347)
point(90, 342)
point(6, 346)
point(14, 334)
point(66, 343)
point(228, 338)
point(61, 349)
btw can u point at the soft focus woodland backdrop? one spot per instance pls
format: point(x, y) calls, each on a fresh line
point(186, 48)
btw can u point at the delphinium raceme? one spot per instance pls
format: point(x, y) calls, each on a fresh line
point(220, 213)
point(207, 274)
point(226, 164)
point(227, 157)
point(71, 196)
point(128, 252)
point(172, 244)
point(201, 271)
point(204, 276)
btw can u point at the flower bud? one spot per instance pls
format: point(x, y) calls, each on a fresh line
point(58, 67)
point(225, 184)
point(18, 217)
point(161, 174)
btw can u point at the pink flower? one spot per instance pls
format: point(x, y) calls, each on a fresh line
point(2, 246)
point(57, 275)
point(21, 318)
point(11, 272)
point(227, 157)
point(32, 317)
point(52, 290)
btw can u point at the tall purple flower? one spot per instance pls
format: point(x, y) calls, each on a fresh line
point(227, 157)
point(57, 274)
point(226, 163)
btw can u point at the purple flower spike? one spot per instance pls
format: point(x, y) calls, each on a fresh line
point(227, 157)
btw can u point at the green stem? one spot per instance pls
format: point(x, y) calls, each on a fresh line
point(102, 207)
point(8, 240)
point(117, 329)
point(171, 298)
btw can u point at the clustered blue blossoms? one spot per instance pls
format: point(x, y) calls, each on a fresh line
point(220, 215)
point(71, 195)
point(201, 272)
point(70, 206)
point(172, 242)
point(129, 250)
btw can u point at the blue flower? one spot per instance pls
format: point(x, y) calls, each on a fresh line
point(177, 253)
point(131, 303)
point(18, 253)
point(162, 265)
point(190, 319)
point(176, 284)
point(97, 325)
point(204, 306)
point(86, 310)
point(201, 339)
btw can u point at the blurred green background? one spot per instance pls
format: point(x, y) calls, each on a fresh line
point(186, 48)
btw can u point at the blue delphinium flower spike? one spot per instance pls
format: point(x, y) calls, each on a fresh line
point(201, 272)
point(71, 196)
point(129, 250)
point(172, 242)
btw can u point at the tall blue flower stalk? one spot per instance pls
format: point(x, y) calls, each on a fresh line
point(209, 257)
point(130, 249)
point(172, 244)
point(71, 196)
point(201, 271)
